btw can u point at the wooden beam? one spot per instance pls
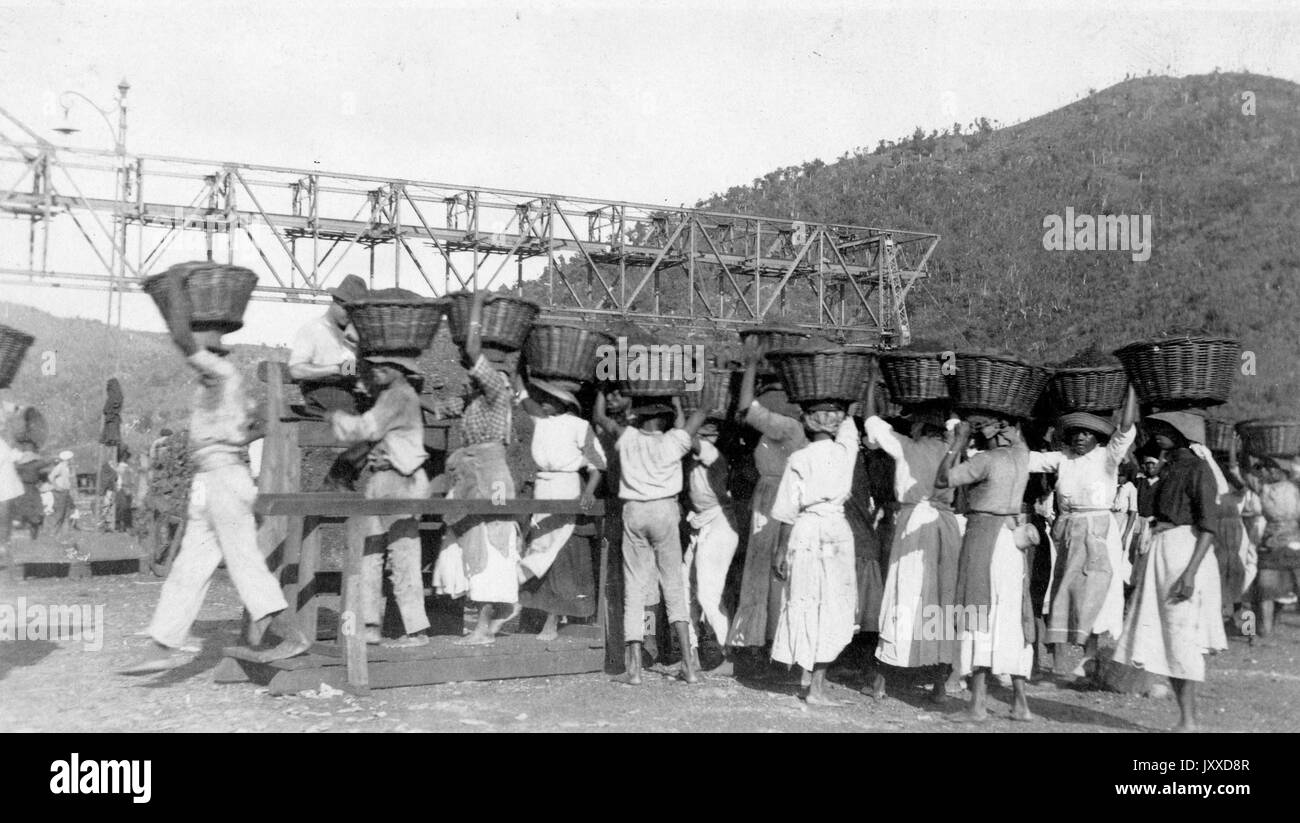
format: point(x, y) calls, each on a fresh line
point(344, 504)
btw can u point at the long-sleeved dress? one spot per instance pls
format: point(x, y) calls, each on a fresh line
point(816, 617)
point(760, 592)
point(921, 581)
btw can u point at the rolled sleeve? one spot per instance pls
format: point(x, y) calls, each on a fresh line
point(1120, 443)
point(969, 473)
point(494, 385)
point(1044, 462)
point(785, 508)
point(677, 444)
point(881, 435)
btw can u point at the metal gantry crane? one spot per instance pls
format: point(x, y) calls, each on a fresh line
point(83, 218)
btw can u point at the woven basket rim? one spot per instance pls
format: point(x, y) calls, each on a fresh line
point(459, 295)
point(1001, 358)
point(10, 331)
point(899, 354)
point(775, 329)
point(1109, 368)
point(1267, 422)
point(548, 324)
point(1175, 341)
point(418, 302)
point(783, 353)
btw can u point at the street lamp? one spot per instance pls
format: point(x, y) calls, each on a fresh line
point(122, 181)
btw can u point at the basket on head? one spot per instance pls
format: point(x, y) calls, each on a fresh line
point(1271, 437)
point(652, 388)
point(915, 376)
point(1193, 371)
point(1219, 434)
point(387, 324)
point(506, 320)
point(773, 337)
point(811, 375)
point(13, 347)
point(997, 383)
point(218, 294)
point(717, 393)
point(567, 352)
point(1088, 388)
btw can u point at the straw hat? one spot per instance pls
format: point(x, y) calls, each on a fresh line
point(65, 455)
point(555, 390)
point(1190, 426)
point(409, 364)
point(1088, 422)
point(351, 288)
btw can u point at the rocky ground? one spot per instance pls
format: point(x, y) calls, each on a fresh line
point(70, 686)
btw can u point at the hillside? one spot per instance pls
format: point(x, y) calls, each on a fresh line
point(1222, 189)
point(156, 383)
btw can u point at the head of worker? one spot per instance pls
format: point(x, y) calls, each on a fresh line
point(352, 288)
point(1084, 432)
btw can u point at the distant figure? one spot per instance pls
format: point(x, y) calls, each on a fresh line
point(61, 483)
point(125, 490)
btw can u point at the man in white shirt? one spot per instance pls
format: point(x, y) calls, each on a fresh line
point(61, 485)
point(324, 362)
point(324, 355)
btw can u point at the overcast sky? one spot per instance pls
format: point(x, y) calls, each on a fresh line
point(658, 102)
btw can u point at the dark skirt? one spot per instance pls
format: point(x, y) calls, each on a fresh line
point(569, 586)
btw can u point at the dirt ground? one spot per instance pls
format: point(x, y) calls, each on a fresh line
point(70, 686)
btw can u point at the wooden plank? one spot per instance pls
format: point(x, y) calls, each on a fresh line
point(345, 504)
point(280, 472)
point(307, 600)
point(351, 621)
point(319, 434)
point(429, 671)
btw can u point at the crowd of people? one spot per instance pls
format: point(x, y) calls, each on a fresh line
point(970, 547)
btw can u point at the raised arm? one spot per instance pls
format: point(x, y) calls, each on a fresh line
point(693, 422)
point(603, 421)
point(178, 310)
point(474, 335)
point(961, 436)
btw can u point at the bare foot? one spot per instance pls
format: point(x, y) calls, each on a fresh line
point(160, 659)
point(1186, 727)
point(819, 699)
point(938, 695)
point(289, 647)
point(876, 689)
point(628, 679)
point(1022, 714)
point(971, 716)
point(497, 623)
point(475, 639)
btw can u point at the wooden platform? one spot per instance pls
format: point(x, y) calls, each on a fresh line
point(578, 649)
point(95, 553)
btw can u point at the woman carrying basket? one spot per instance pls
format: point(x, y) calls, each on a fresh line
point(1173, 619)
point(1087, 597)
point(480, 555)
point(992, 603)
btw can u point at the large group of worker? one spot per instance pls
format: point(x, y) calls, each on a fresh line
point(930, 535)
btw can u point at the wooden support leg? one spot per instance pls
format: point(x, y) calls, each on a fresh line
point(308, 600)
point(351, 622)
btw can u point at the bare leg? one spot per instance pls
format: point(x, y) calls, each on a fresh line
point(817, 695)
point(978, 711)
point(1020, 702)
point(482, 635)
point(632, 664)
point(1185, 691)
point(939, 692)
point(550, 629)
point(512, 611)
point(876, 688)
point(1266, 609)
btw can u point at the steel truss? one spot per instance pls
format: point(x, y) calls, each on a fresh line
point(94, 219)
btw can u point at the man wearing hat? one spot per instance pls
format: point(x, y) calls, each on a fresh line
point(1087, 597)
point(61, 484)
point(220, 525)
point(395, 424)
point(324, 355)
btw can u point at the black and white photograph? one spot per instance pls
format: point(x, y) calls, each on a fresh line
point(645, 366)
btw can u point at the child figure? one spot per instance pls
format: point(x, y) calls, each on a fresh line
point(650, 457)
point(713, 532)
point(563, 445)
point(395, 424)
point(817, 562)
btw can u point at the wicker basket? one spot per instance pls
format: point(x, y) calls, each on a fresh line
point(996, 383)
point(1271, 437)
point(565, 352)
point(717, 395)
point(1088, 388)
point(1219, 434)
point(652, 388)
point(13, 346)
point(777, 337)
point(218, 295)
point(810, 375)
point(506, 320)
point(914, 377)
point(394, 324)
point(1182, 370)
